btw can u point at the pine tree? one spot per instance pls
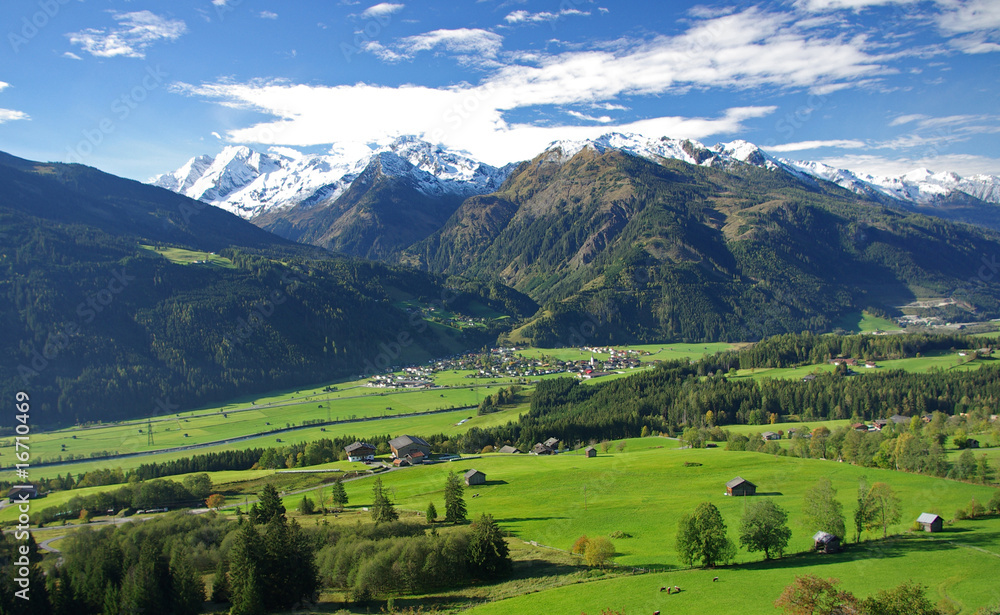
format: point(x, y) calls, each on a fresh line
point(454, 504)
point(488, 554)
point(188, 590)
point(382, 509)
point(270, 506)
point(432, 513)
point(339, 495)
point(220, 583)
point(244, 578)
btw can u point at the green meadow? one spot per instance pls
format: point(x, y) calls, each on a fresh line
point(180, 256)
point(644, 490)
point(658, 352)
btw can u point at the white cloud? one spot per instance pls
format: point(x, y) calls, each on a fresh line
point(804, 145)
point(135, 32)
point(737, 51)
point(906, 119)
point(382, 9)
point(963, 164)
point(522, 16)
point(835, 5)
point(71, 56)
point(472, 46)
point(4, 85)
point(604, 119)
point(10, 115)
point(219, 2)
point(971, 16)
point(460, 117)
point(268, 15)
point(216, 135)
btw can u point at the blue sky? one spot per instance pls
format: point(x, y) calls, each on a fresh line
point(137, 87)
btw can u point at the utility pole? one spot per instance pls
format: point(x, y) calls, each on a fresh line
point(149, 432)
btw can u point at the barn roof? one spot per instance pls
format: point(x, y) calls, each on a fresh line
point(823, 537)
point(927, 518)
point(738, 481)
point(472, 473)
point(350, 448)
point(509, 449)
point(400, 441)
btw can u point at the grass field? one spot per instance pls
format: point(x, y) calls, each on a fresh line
point(445, 422)
point(658, 352)
point(918, 365)
point(644, 490)
point(181, 256)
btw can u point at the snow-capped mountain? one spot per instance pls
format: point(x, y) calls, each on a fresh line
point(920, 187)
point(250, 183)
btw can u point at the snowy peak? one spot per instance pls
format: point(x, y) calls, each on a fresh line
point(249, 183)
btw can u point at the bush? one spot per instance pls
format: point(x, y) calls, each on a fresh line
point(580, 546)
point(599, 552)
point(994, 504)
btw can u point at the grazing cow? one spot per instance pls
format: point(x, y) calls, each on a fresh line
point(663, 589)
point(677, 590)
point(715, 579)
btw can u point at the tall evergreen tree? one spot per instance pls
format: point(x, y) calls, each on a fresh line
point(488, 553)
point(454, 503)
point(382, 509)
point(245, 581)
point(339, 494)
point(220, 582)
point(268, 507)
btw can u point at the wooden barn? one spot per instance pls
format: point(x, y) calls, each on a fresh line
point(930, 522)
point(590, 451)
point(541, 449)
point(475, 477)
point(552, 443)
point(509, 450)
point(825, 542)
point(360, 451)
point(404, 445)
point(740, 486)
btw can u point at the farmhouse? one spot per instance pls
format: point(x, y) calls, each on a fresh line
point(475, 477)
point(878, 424)
point(859, 427)
point(552, 443)
point(509, 450)
point(930, 522)
point(541, 449)
point(899, 419)
point(770, 435)
point(416, 457)
point(404, 445)
point(590, 451)
point(740, 486)
point(972, 443)
point(825, 542)
point(18, 494)
point(360, 451)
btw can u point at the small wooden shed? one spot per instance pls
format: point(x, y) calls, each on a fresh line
point(930, 522)
point(740, 486)
point(825, 542)
point(475, 477)
point(590, 451)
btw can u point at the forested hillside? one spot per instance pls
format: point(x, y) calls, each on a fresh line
point(637, 251)
point(99, 325)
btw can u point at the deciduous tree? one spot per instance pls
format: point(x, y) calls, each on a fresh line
point(701, 537)
point(764, 527)
point(822, 510)
point(883, 508)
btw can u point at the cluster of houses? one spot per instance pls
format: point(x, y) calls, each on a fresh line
point(392, 381)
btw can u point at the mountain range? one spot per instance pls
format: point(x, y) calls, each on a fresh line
point(284, 191)
point(638, 238)
point(120, 299)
